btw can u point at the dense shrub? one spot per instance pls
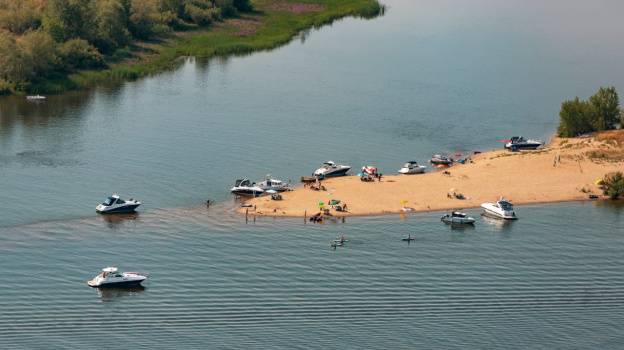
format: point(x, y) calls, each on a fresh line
point(79, 54)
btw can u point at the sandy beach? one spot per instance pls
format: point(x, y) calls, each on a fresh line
point(524, 177)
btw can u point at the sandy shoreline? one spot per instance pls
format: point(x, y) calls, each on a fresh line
point(521, 177)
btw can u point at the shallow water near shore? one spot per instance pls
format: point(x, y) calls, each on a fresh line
point(427, 78)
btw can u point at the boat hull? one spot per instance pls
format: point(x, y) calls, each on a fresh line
point(339, 172)
point(117, 210)
point(459, 220)
point(412, 170)
point(499, 214)
point(250, 192)
point(117, 284)
point(523, 146)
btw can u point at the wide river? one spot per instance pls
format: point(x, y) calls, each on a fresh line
point(428, 77)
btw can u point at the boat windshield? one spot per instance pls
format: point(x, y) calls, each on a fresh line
point(109, 201)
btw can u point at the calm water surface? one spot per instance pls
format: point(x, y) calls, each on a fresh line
point(429, 77)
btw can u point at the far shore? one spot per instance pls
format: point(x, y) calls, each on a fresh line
point(561, 171)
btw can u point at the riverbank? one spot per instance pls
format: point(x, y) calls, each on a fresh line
point(564, 170)
point(271, 24)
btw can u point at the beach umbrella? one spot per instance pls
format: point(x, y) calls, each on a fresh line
point(453, 189)
point(360, 174)
point(404, 201)
point(271, 191)
point(321, 203)
point(599, 182)
point(441, 165)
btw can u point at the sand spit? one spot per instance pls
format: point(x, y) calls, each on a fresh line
point(523, 177)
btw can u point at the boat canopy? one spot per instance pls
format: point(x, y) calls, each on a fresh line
point(505, 205)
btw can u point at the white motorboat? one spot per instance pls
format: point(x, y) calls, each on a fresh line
point(332, 169)
point(501, 208)
point(114, 204)
point(438, 159)
point(458, 217)
point(519, 142)
point(412, 168)
point(110, 277)
point(247, 188)
point(269, 183)
point(36, 98)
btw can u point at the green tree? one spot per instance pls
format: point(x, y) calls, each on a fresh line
point(70, 19)
point(9, 57)
point(614, 184)
point(606, 113)
point(79, 54)
point(17, 16)
point(574, 118)
point(38, 49)
point(112, 26)
point(143, 20)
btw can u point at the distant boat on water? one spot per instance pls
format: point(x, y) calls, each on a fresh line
point(36, 98)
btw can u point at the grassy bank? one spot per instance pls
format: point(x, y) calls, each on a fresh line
point(271, 24)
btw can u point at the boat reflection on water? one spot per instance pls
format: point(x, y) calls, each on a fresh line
point(496, 221)
point(459, 226)
point(112, 294)
point(115, 220)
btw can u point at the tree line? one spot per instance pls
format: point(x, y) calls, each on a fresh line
point(47, 39)
point(601, 112)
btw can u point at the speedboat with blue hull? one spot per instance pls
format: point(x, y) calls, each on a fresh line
point(114, 204)
point(111, 277)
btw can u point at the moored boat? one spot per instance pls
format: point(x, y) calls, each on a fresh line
point(438, 159)
point(247, 188)
point(501, 208)
point(111, 277)
point(412, 167)
point(332, 169)
point(36, 98)
point(519, 142)
point(269, 183)
point(114, 204)
point(458, 217)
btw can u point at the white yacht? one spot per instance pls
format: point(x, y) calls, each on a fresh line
point(269, 183)
point(332, 169)
point(247, 188)
point(412, 168)
point(501, 208)
point(114, 204)
point(519, 142)
point(110, 277)
point(458, 217)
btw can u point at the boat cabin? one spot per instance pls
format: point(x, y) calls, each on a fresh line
point(505, 205)
point(114, 199)
point(243, 182)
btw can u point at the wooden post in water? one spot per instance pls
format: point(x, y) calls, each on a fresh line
point(246, 212)
point(305, 215)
